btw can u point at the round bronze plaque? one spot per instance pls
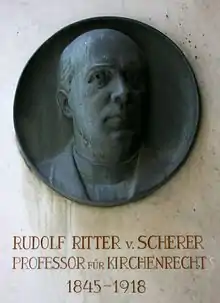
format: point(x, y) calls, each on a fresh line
point(106, 111)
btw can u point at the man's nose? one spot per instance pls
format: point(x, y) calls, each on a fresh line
point(119, 91)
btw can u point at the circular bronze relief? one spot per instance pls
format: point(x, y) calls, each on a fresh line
point(106, 111)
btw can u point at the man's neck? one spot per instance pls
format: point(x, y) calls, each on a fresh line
point(106, 150)
point(103, 173)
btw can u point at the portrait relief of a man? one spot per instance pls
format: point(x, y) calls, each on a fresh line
point(101, 89)
point(106, 111)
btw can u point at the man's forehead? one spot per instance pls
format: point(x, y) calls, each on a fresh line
point(105, 46)
point(109, 57)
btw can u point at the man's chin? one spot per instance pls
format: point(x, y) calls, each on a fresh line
point(121, 134)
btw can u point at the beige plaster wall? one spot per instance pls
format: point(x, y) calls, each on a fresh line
point(189, 203)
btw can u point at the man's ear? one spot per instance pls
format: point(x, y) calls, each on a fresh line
point(62, 100)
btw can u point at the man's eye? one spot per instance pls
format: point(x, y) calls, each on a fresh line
point(100, 78)
point(134, 80)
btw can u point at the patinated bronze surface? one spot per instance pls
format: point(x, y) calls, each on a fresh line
point(111, 125)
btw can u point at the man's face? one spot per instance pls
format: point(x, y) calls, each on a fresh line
point(107, 88)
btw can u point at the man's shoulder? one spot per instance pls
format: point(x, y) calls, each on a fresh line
point(63, 162)
point(61, 173)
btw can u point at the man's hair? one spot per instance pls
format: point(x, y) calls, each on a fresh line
point(66, 69)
